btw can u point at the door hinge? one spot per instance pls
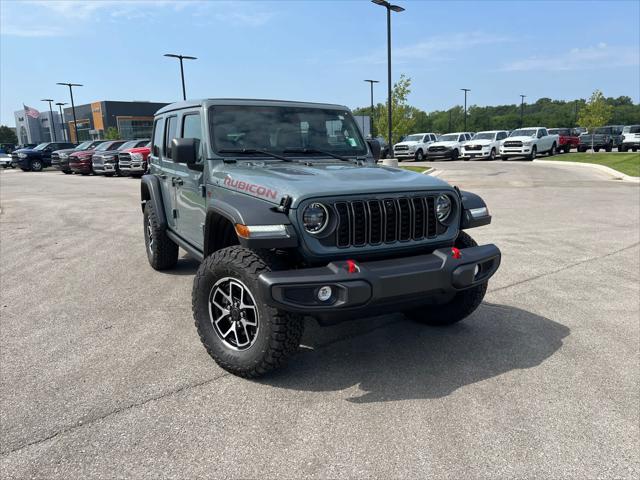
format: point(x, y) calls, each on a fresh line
point(175, 213)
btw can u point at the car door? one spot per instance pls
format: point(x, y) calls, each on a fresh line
point(189, 183)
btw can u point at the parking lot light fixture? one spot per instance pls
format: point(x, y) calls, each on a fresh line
point(181, 58)
point(371, 82)
point(522, 97)
point(398, 9)
point(465, 90)
point(64, 127)
point(73, 107)
point(52, 124)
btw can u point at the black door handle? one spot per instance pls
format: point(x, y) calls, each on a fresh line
point(178, 181)
point(163, 177)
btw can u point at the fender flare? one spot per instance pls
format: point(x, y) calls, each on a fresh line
point(150, 191)
point(472, 211)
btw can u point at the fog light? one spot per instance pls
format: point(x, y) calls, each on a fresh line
point(324, 293)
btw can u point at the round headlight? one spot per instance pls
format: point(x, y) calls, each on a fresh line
point(443, 207)
point(315, 218)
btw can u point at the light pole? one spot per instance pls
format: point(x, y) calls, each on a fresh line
point(181, 58)
point(371, 82)
point(64, 125)
point(52, 124)
point(522, 97)
point(398, 9)
point(73, 107)
point(465, 90)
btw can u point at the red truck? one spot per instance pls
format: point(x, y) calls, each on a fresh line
point(133, 161)
point(569, 138)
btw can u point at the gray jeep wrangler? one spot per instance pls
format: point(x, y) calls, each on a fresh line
point(284, 206)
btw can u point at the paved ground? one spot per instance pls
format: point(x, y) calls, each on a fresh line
point(103, 375)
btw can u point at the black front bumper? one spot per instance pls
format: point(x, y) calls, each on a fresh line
point(383, 282)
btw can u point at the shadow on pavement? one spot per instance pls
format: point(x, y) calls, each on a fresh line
point(400, 359)
point(185, 266)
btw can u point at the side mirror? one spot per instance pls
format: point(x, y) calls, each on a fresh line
point(374, 146)
point(185, 150)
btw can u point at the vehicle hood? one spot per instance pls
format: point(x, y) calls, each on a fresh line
point(138, 150)
point(28, 151)
point(444, 144)
point(67, 150)
point(82, 154)
point(271, 181)
point(407, 143)
point(520, 138)
point(482, 142)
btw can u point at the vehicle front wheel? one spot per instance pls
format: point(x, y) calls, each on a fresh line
point(67, 172)
point(534, 152)
point(36, 166)
point(609, 147)
point(240, 331)
point(162, 252)
point(419, 157)
point(463, 303)
point(455, 154)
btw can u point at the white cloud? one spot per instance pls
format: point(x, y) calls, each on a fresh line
point(599, 56)
point(434, 48)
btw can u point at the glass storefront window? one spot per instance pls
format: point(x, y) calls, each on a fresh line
point(131, 128)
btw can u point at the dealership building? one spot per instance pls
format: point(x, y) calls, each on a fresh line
point(130, 119)
point(38, 128)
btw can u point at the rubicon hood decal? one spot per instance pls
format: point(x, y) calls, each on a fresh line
point(251, 188)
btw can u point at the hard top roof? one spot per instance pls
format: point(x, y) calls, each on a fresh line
point(207, 102)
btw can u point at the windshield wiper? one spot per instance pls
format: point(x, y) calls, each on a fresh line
point(253, 151)
point(314, 150)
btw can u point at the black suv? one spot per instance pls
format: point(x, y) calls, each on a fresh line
point(39, 157)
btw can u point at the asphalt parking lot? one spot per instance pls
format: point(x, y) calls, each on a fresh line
point(103, 374)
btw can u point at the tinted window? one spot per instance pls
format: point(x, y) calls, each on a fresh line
point(192, 128)
point(170, 134)
point(115, 145)
point(157, 137)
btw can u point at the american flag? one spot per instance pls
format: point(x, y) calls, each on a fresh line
point(31, 112)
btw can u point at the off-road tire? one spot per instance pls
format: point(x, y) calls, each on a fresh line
point(532, 155)
point(36, 166)
point(279, 333)
point(163, 253)
point(463, 304)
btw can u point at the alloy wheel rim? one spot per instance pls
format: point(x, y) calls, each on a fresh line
point(150, 236)
point(233, 314)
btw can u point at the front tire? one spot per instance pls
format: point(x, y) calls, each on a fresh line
point(532, 155)
point(162, 252)
point(455, 154)
point(419, 157)
point(463, 303)
point(244, 335)
point(36, 166)
point(492, 155)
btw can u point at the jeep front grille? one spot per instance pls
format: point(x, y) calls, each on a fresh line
point(390, 220)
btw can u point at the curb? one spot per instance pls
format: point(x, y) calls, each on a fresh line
point(614, 173)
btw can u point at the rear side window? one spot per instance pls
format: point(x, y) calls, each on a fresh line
point(170, 134)
point(115, 145)
point(157, 137)
point(192, 128)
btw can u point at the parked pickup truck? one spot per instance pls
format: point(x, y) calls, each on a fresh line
point(39, 157)
point(133, 161)
point(630, 138)
point(606, 137)
point(528, 142)
point(568, 138)
point(413, 146)
point(483, 145)
point(60, 158)
point(291, 221)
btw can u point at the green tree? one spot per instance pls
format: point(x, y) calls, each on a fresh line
point(112, 134)
point(595, 113)
point(7, 135)
point(403, 114)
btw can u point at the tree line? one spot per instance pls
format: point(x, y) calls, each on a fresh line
point(544, 112)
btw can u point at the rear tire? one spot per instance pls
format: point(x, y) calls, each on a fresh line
point(552, 150)
point(246, 341)
point(463, 304)
point(162, 252)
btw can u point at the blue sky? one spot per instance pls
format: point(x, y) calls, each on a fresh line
point(318, 50)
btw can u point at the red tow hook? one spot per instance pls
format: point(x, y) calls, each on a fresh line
point(456, 253)
point(351, 266)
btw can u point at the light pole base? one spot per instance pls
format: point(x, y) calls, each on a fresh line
point(390, 162)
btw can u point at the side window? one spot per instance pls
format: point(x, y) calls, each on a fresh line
point(157, 137)
point(192, 128)
point(169, 134)
point(543, 132)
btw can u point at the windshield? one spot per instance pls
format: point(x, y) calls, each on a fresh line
point(103, 146)
point(126, 145)
point(83, 146)
point(452, 137)
point(276, 129)
point(484, 136)
point(413, 138)
point(42, 146)
point(602, 130)
point(524, 132)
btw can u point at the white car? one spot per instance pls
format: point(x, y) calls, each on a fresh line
point(483, 145)
point(630, 138)
point(528, 142)
point(448, 146)
point(413, 146)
